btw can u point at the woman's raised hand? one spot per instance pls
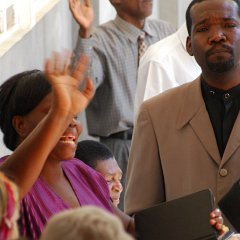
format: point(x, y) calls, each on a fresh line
point(66, 83)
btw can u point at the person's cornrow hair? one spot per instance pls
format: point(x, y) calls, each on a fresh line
point(19, 95)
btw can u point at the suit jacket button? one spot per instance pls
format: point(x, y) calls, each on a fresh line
point(223, 172)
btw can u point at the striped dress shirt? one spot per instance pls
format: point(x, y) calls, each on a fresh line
point(113, 50)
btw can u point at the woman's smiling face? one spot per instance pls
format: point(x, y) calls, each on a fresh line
point(66, 147)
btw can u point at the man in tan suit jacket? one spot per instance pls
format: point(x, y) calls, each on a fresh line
point(187, 139)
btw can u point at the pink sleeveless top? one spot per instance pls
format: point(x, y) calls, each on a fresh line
point(42, 202)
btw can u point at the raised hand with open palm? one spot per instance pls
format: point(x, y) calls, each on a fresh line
point(82, 12)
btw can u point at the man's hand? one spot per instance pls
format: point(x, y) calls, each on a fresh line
point(216, 220)
point(82, 12)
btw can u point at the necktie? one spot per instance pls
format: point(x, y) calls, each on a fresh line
point(141, 46)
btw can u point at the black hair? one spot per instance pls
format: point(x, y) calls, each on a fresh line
point(90, 152)
point(188, 14)
point(19, 95)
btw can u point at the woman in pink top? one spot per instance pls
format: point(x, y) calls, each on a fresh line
point(8, 209)
point(38, 119)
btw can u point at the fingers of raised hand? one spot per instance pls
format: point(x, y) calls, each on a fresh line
point(58, 64)
point(88, 91)
point(74, 4)
point(67, 62)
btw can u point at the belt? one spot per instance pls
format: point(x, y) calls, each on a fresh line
point(124, 135)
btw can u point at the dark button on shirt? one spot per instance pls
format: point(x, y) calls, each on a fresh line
point(223, 107)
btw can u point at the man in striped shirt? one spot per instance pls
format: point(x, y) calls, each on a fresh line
point(113, 50)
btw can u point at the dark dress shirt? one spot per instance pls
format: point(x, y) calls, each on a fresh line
point(223, 107)
point(113, 50)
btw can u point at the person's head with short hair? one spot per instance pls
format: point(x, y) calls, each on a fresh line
point(134, 10)
point(85, 223)
point(9, 208)
point(19, 95)
point(98, 156)
point(214, 40)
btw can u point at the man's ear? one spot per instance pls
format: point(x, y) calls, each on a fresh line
point(189, 46)
point(18, 123)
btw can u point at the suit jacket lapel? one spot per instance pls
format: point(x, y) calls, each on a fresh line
point(194, 112)
point(233, 141)
point(202, 126)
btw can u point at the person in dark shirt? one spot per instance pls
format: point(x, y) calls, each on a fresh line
point(187, 139)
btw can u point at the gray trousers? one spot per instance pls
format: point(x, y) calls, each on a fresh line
point(120, 149)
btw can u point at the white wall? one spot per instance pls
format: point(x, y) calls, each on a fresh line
point(172, 11)
point(168, 11)
point(182, 7)
point(106, 11)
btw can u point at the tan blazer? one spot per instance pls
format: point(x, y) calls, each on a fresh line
point(174, 151)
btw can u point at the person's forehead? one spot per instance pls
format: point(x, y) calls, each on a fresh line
point(218, 9)
point(109, 165)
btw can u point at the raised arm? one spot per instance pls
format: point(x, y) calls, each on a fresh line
point(26, 163)
point(82, 12)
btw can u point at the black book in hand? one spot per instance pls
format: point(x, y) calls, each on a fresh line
point(185, 218)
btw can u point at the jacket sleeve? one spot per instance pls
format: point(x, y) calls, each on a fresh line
point(145, 185)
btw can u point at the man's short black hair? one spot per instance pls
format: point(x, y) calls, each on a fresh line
point(19, 95)
point(90, 152)
point(188, 15)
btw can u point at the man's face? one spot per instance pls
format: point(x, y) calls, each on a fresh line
point(215, 35)
point(139, 9)
point(113, 175)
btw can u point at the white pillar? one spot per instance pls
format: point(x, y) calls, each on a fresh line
point(172, 11)
point(182, 7)
point(168, 11)
point(106, 11)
